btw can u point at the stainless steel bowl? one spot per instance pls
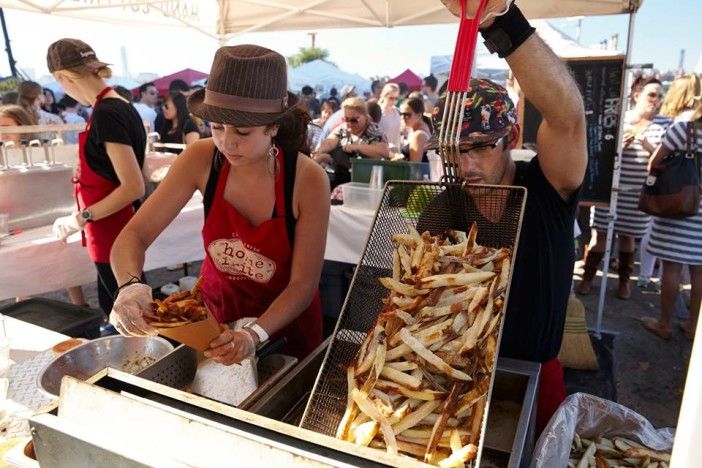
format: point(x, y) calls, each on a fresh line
point(128, 354)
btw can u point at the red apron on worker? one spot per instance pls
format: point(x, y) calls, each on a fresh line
point(247, 267)
point(89, 189)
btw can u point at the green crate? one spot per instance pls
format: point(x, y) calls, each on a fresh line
point(392, 170)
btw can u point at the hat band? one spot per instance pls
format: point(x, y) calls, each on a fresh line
point(246, 104)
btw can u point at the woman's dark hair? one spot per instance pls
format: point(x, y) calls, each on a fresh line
point(292, 130)
point(28, 92)
point(182, 116)
point(639, 83)
point(374, 111)
point(53, 108)
point(417, 106)
point(334, 104)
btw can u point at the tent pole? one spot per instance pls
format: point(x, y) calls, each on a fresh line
point(615, 176)
point(8, 49)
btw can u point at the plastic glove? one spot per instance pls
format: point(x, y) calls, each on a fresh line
point(231, 347)
point(66, 225)
point(127, 310)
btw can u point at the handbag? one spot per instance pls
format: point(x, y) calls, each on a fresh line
point(674, 191)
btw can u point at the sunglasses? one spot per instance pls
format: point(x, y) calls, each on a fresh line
point(352, 120)
point(393, 98)
point(484, 150)
point(654, 95)
point(405, 114)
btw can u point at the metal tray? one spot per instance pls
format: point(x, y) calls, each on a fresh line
point(177, 370)
point(61, 317)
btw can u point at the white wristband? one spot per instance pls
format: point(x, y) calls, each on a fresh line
point(259, 331)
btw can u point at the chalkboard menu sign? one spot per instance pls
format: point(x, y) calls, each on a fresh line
point(599, 80)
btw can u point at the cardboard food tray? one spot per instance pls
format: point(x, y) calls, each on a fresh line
point(197, 335)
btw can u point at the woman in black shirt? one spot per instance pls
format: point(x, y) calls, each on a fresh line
point(108, 179)
point(177, 126)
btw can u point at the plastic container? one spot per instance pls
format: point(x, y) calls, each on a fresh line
point(361, 196)
point(392, 170)
point(61, 317)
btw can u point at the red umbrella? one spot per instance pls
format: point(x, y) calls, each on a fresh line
point(188, 75)
point(413, 82)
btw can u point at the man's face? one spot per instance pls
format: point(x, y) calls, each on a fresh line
point(486, 161)
point(150, 96)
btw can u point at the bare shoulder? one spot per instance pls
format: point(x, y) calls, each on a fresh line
point(311, 184)
point(195, 162)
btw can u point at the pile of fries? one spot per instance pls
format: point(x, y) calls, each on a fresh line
point(419, 382)
point(178, 309)
point(618, 451)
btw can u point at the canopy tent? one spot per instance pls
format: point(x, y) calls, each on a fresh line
point(490, 66)
point(188, 75)
point(410, 78)
point(323, 76)
point(224, 19)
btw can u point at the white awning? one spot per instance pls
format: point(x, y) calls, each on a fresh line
point(224, 19)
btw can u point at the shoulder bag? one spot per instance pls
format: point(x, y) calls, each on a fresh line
point(674, 191)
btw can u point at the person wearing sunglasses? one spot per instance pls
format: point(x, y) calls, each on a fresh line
point(146, 104)
point(543, 266)
point(643, 132)
point(390, 122)
point(419, 126)
point(357, 137)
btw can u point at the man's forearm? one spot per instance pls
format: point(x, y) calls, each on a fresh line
point(546, 82)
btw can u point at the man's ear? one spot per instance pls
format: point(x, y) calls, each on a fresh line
point(514, 133)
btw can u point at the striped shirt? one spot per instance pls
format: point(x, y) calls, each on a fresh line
point(634, 169)
point(673, 239)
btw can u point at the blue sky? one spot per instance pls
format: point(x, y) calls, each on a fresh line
point(663, 27)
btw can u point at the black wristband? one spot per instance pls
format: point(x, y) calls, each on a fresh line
point(507, 32)
point(133, 280)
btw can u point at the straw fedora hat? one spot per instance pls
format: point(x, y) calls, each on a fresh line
point(247, 87)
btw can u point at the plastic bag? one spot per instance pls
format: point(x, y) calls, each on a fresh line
point(591, 416)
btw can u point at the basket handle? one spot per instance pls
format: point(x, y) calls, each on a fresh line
point(464, 52)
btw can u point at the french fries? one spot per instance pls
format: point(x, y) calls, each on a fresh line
point(418, 385)
point(178, 309)
point(614, 452)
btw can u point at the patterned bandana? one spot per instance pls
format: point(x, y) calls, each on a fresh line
point(489, 112)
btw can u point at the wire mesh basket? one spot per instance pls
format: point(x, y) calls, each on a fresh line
point(433, 207)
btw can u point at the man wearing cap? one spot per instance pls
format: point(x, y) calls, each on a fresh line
point(543, 267)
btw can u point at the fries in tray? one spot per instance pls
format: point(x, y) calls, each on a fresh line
point(614, 452)
point(178, 309)
point(419, 382)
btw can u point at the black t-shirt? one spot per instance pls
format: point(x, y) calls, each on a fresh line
point(114, 121)
point(179, 137)
point(543, 269)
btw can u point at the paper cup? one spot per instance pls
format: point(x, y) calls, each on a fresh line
point(186, 283)
point(197, 335)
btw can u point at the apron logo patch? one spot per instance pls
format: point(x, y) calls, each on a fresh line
point(231, 256)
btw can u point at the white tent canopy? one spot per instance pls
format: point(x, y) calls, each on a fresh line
point(224, 19)
point(490, 66)
point(319, 73)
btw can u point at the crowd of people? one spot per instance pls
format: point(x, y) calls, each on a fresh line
point(266, 160)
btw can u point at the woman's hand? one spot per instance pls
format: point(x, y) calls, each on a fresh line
point(628, 139)
point(350, 148)
point(127, 310)
point(231, 347)
point(66, 225)
point(323, 159)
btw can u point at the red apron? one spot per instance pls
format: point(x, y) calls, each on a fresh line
point(247, 267)
point(89, 189)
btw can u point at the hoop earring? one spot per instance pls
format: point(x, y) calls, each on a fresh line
point(273, 153)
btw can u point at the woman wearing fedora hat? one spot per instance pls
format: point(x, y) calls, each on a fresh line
point(108, 179)
point(266, 212)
